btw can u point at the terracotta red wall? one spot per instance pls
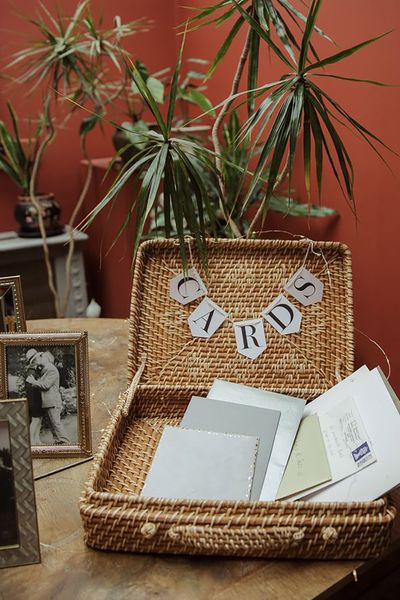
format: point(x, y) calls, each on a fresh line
point(374, 241)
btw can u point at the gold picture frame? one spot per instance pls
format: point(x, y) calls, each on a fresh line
point(19, 539)
point(12, 311)
point(51, 371)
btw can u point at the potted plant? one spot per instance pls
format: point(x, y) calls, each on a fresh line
point(70, 59)
point(131, 136)
point(279, 112)
point(20, 159)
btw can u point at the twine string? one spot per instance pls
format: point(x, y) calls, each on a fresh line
point(311, 243)
point(188, 239)
point(380, 348)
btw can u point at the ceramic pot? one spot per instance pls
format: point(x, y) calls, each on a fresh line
point(26, 216)
point(120, 140)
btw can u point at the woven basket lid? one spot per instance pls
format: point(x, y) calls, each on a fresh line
point(243, 277)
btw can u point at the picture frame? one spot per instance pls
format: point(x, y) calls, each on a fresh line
point(12, 310)
point(19, 538)
point(51, 371)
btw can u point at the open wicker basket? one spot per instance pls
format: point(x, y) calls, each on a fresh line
point(167, 366)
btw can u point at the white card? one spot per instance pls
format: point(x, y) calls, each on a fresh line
point(305, 287)
point(382, 421)
point(283, 315)
point(202, 465)
point(206, 318)
point(185, 289)
point(250, 337)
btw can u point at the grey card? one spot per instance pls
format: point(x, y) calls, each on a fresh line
point(202, 465)
point(291, 413)
point(227, 417)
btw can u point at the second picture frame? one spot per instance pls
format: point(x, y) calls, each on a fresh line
point(51, 371)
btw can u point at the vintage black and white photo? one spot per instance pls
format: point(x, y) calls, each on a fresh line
point(12, 314)
point(19, 539)
point(50, 371)
point(8, 505)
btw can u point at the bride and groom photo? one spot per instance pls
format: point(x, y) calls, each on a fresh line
point(46, 376)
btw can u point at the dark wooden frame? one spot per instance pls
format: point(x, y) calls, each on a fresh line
point(15, 412)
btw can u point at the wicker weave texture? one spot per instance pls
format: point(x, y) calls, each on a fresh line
point(243, 277)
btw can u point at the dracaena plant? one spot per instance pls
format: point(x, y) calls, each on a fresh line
point(279, 16)
point(18, 154)
point(296, 103)
point(280, 111)
point(235, 159)
point(171, 162)
point(70, 58)
point(68, 53)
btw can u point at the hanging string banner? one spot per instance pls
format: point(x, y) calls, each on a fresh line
point(281, 314)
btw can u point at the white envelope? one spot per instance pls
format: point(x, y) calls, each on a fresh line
point(347, 444)
point(335, 394)
point(382, 421)
point(291, 410)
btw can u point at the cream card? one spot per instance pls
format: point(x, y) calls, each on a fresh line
point(250, 337)
point(202, 465)
point(186, 288)
point(348, 446)
point(305, 287)
point(283, 316)
point(291, 410)
point(206, 319)
point(308, 463)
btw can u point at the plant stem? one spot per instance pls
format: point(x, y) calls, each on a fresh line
point(42, 229)
point(75, 213)
point(278, 181)
point(218, 122)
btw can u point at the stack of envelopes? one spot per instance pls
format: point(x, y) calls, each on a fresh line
point(243, 443)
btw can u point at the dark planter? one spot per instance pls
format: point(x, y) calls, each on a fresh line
point(120, 140)
point(26, 216)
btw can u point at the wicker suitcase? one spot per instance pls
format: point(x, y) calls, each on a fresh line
point(166, 366)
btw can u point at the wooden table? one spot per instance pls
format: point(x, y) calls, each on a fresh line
point(70, 570)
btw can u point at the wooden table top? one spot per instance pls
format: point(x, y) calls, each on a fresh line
point(70, 570)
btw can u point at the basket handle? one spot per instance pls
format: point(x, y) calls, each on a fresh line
point(207, 537)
